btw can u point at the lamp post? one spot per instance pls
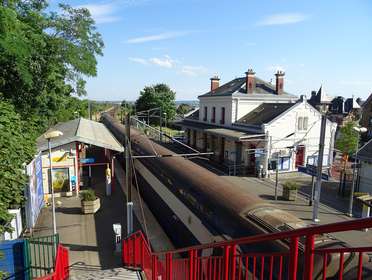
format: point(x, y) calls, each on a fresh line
point(49, 136)
point(359, 130)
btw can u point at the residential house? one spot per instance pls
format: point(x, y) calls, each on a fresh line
point(366, 120)
point(250, 124)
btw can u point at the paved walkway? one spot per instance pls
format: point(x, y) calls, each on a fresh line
point(301, 208)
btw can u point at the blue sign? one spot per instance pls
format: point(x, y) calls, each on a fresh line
point(34, 191)
point(87, 160)
point(312, 170)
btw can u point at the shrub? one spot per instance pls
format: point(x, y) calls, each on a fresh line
point(88, 195)
point(290, 185)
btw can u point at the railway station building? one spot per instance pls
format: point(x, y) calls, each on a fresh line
point(251, 125)
point(71, 164)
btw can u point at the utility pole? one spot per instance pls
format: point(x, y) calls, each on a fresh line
point(161, 124)
point(359, 130)
point(319, 169)
point(277, 176)
point(128, 177)
point(89, 110)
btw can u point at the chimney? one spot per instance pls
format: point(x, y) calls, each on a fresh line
point(279, 82)
point(215, 82)
point(250, 80)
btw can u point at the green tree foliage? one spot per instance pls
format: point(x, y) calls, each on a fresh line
point(348, 138)
point(183, 109)
point(157, 96)
point(16, 148)
point(126, 107)
point(44, 57)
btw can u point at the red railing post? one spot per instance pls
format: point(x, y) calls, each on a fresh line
point(293, 258)
point(226, 256)
point(233, 262)
point(168, 266)
point(154, 266)
point(309, 257)
point(191, 264)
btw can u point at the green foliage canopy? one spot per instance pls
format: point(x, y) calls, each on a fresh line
point(16, 148)
point(157, 96)
point(183, 109)
point(348, 138)
point(44, 58)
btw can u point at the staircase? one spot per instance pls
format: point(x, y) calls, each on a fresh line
point(79, 273)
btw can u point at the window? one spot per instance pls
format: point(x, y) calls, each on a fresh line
point(213, 114)
point(305, 123)
point(283, 164)
point(222, 115)
point(302, 123)
point(205, 113)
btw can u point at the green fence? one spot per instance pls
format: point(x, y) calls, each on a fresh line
point(40, 255)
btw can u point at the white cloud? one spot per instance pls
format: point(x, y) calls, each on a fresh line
point(138, 60)
point(280, 19)
point(165, 61)
point(193, 70)
point(102, 13)
point(274, 68)
point(157, 37)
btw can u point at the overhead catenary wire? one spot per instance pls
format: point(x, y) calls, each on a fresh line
point(138, 193)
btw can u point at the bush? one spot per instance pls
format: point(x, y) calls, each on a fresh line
point(88, 195)
point(290, 185)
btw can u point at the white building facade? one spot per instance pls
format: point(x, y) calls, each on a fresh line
point(248, 123)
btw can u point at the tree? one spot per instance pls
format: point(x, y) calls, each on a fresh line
point(157, 96)
point(126, 107)
point(44, 57)
point(17, 147)
point(348, 138)
point(183, 108)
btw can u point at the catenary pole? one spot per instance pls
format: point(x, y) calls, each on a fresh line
point(128, 177)
point(350, 213)
point(319, 169)
point(51, 187)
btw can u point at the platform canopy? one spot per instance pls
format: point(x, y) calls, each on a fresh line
point(83, 131)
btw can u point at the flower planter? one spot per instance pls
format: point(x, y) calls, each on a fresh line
point(289, 194)
point(90, 207)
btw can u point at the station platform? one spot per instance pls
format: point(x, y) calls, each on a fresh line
point(301, 208)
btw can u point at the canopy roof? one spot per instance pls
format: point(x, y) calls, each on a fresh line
point(84, 131)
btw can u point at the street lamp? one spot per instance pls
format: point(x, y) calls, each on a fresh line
point(359, 130)
point(49, 136)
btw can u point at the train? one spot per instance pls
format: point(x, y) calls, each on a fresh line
point(195, 206)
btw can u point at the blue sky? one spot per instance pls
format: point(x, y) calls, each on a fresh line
point(185, 42)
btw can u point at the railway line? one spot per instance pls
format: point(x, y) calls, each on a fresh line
point(195, 206)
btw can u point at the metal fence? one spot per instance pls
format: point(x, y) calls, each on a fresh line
point(40, 255)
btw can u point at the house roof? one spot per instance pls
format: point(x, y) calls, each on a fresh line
point(369, 99)
point(238, 87)
point(365, 152)
point(81, 130)
point(264, 113)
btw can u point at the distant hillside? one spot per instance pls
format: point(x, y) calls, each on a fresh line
point(192, 103)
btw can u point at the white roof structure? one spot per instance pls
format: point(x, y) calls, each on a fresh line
point(84, 131)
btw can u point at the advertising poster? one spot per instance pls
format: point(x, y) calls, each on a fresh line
point(61, 180)
point(34, 192)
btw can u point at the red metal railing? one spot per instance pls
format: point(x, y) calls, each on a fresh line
point(61, 270)
point(240, 259)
